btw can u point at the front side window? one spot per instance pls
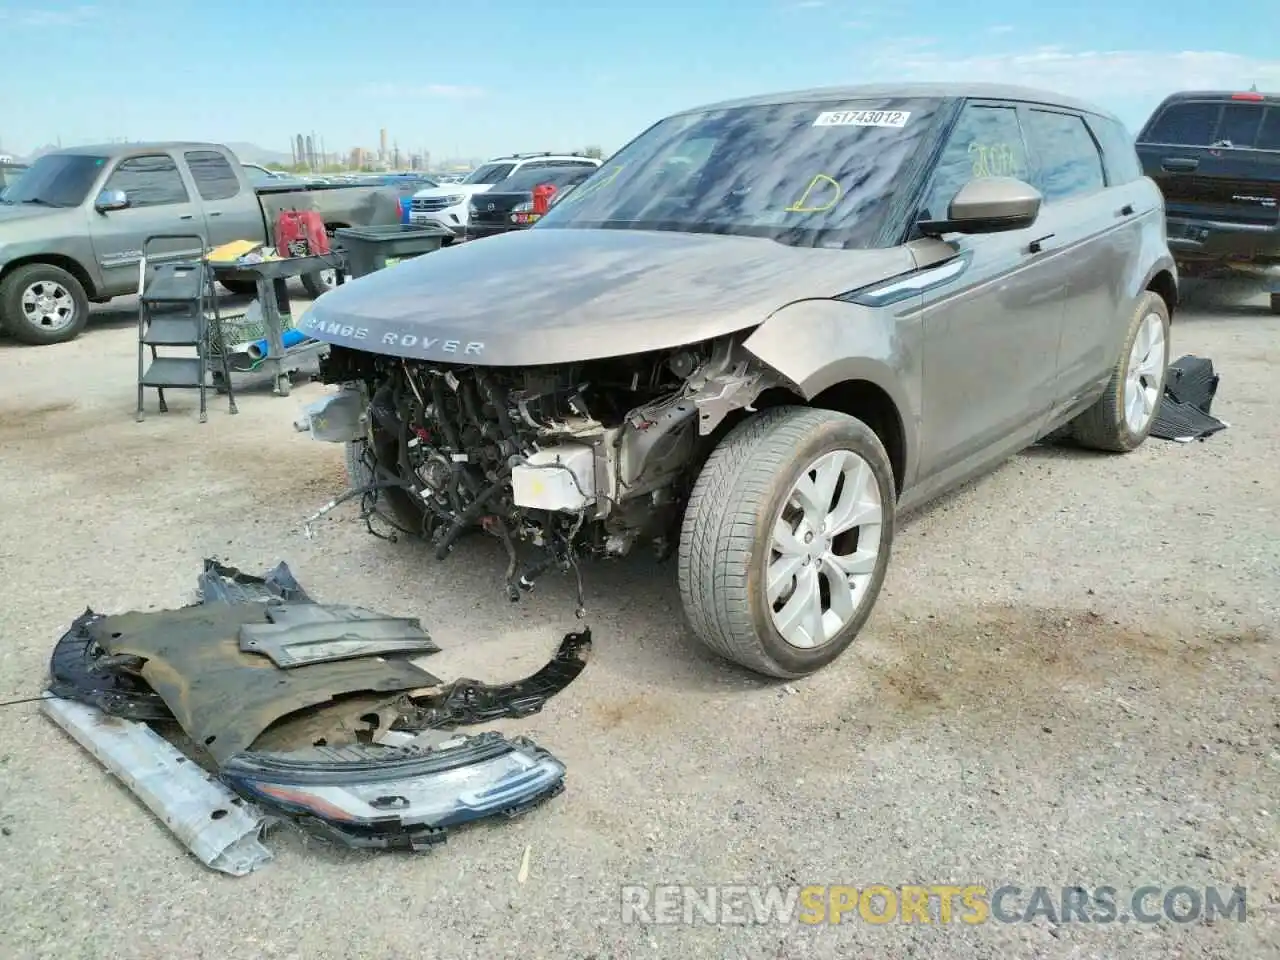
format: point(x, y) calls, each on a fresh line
point(149, 181)
point(1067, 160)
point(985, 142)
point(818, 173)
point(213, 175)
point(56, 180)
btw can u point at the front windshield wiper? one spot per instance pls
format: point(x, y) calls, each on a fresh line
point(40, 202)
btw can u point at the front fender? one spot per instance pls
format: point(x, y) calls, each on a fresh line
point(818, 344)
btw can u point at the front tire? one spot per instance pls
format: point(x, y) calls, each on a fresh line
point(1122, 417)
point(43, 304)
point(786, 539)
point(319, 283)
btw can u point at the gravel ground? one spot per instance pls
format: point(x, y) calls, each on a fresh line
point(1071, 678)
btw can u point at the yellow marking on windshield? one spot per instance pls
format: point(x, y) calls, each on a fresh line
point(802, 203)
point(994, 160)
point(591, 188)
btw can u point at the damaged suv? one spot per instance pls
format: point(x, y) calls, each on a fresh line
point(760, 331)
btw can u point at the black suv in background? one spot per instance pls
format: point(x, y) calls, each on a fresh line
point(1216, 157)
point(517, 203)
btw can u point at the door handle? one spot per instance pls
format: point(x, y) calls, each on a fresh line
point(185, 216)
point(1125, 211)
point(216, 213)
point(1037, 245)
point(1173, 164)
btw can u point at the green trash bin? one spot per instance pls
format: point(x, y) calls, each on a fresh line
point(374, 248)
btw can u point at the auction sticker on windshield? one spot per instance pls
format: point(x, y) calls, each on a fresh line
point(862, 118)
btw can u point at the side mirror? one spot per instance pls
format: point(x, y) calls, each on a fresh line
point(109, 200)
point(988, 205)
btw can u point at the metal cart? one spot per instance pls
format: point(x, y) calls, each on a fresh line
point(272, 278)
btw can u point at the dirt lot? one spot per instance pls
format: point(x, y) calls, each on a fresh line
point(1071, 678)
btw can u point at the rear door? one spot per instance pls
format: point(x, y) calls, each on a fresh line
point(1094, 225)
point(231, 210)
point(159, 202)
point(1216, 159)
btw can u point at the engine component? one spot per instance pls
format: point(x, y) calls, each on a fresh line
point(559, 478)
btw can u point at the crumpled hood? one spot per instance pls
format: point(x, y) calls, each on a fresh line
point(551, 295)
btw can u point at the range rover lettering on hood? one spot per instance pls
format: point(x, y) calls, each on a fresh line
point(403, 342)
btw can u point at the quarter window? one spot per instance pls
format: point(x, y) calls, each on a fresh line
point(1189, 124)
point(149, 181)
point(213, 175)
point(986, 142)
point(1068, 162)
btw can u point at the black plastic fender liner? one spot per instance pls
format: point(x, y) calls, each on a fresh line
point(466, 702)
point(219, 583)
point(81, 670)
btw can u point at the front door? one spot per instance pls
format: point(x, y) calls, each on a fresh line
point(158, 204)
point(990, 335)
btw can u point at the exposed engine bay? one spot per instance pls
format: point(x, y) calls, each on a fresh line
point(580, 458)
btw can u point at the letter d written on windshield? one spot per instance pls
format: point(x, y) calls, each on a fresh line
point(819, 195)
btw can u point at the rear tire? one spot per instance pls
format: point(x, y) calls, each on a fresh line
point(744, 505)
point(42, 304)
point(1113, 423)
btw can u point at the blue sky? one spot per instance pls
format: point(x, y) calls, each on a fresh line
point(487, 76)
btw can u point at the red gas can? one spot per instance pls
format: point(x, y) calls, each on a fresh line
point(300, 233)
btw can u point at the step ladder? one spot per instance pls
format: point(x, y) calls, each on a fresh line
point(178, 307)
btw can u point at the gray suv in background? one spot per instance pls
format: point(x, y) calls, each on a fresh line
point(760, 331)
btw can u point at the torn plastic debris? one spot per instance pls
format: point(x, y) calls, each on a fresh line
point(221, 829)
point(466, 702)
point(218, 583)
point(1183, 415)
point(81, 670)
point(399, 797)
point(303, 633)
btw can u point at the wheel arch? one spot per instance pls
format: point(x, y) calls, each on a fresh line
point(1162, 282)
point(63, 262)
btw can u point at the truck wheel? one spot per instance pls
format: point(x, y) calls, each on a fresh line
point(1122, 416)
point(1275, 302)
point(43, 304)
point(318, 283)
point(786, 539)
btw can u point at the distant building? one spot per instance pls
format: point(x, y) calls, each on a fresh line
point(382, 144)
point(7, 158)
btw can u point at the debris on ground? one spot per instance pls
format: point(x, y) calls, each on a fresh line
point(1189, 389)
point(296, 711)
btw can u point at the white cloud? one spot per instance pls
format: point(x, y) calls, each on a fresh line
point(1001, 28)
point(422, 91)
point(1101, 76)
point(807, 4)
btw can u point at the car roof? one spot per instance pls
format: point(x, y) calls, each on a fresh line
point(540, 156)
point(884, 91)
point(1251, 96)
point(114, 150)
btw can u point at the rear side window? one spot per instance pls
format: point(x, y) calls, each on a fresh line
point(1119, 154)
point(1189, 124)
point(1067, 160)
point(213, 175)
point(149, 181)
point(1269, 134)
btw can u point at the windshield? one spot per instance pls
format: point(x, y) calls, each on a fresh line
point(489, 173)
point(807, 174)
point(56, 180)
point(523, 181)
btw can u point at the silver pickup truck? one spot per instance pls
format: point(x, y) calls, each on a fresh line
point(72, 227)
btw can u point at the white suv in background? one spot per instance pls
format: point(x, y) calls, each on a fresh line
point(450, 204)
